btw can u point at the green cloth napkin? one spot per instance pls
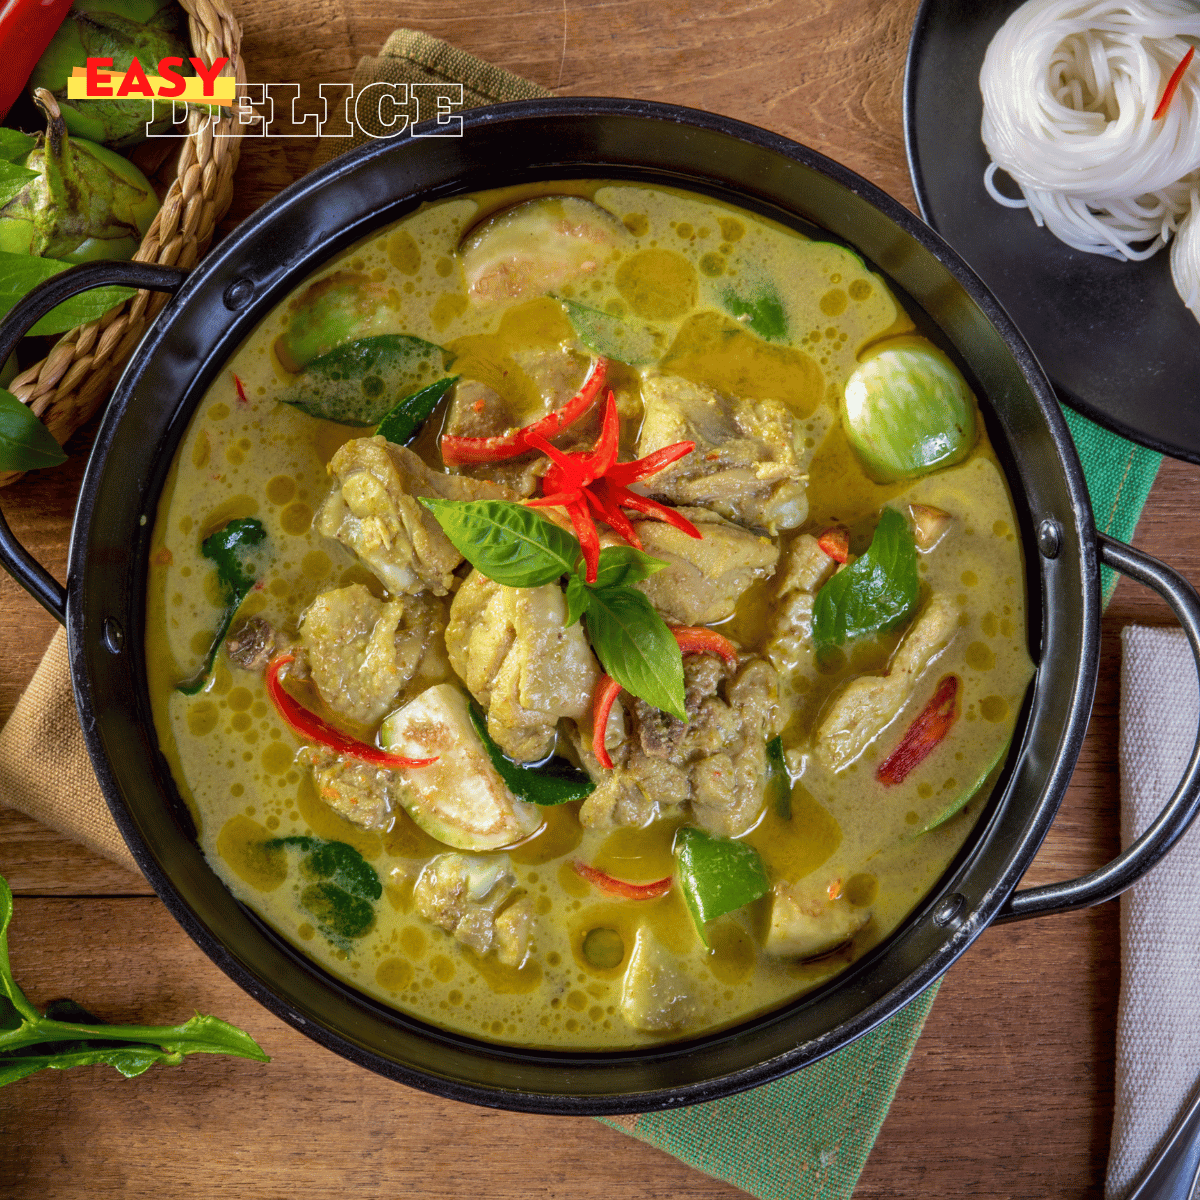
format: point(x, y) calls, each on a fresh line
point(809, 1134)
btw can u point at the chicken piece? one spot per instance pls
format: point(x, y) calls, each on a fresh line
point(860, 712)
point(518, 657)
point(467, 897)
point(251, 643)
point(713, 765)
point(805, 924)
point(805, 568)
point(374, 511)
point(656, 995)
point(362, 652)
point(361, 792)
point(703, 580)
point(744, 466)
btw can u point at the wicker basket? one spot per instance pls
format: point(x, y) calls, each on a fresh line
point(71, 382)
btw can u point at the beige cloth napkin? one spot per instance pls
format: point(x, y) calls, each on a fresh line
point(1158, 1021)
point(63, 792)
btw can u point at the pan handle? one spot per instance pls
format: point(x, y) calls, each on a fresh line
point(14, 558)
point(1170, 824)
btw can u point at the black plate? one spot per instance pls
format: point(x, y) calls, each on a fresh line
point(1114, 337)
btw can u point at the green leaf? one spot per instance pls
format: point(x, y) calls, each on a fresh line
point(357, 383)
point(21, 273)
point(620, 565)
point(577, 597)
point(553, 782)
point(779, 780)
point(615, 338)
point(14, 144)
point(875, 593)
point(232, 549)
point(763, 312)
point(25, 443)
point(717, 875)
point(512, 544)
point(636, 648)
point(84, 1039)
point(13, 180)
point(984, 781)
point(411, 413)
point(341, 898)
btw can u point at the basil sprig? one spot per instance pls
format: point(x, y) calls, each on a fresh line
point(875, 593)
point(67, 1035)
point(518, 547)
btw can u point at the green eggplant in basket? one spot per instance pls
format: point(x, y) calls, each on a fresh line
point(83, 204)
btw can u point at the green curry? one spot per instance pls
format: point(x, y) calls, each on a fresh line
point(648, 665)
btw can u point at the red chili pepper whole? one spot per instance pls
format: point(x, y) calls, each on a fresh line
point(835, 541)
point(924, 734)
point(461, 451)
point(594, 479)
point(312, 728)
point(692, 640)
point(1173, 84)
point(619, 887)
point(26, 29)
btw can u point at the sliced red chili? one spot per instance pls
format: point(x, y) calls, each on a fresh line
point(314, 729)
point(699, 640)
point(835, 541)
point(460, 451)
point(1173, 84)
point(619, 887)
point(241, 389)
point(607, 690)
point(924, 734)
point(692, 640)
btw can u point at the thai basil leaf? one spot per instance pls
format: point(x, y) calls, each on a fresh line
point(779, 780)
point(875, 593)
point(413, 411)
point(763, 312)
point(232, 550)
point(20, 273)
point(615, 338)
point(512, 544)
point(343, 890)
point(985, 779)
point(13, 180)
point(79, 1039)
point(717, 875)
point(14, 144)
point(554, 782)
point(623, 565)
point(636, 648)
point(577, 598)
point(357, 383)
point(25, 443)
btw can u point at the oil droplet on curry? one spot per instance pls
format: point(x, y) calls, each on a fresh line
point(826, 547)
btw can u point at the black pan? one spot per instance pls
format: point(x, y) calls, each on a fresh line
point(218, 304)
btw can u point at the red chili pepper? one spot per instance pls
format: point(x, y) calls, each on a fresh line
point(924, 734)
point(1173, 84)
point(835, 541)
point(595, 479)
point(26, 29)
point(241, 390)
point(311, 727)
point(458, 451)
point(619, 887)
point(692, 640)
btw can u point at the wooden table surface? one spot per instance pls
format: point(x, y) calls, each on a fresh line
point(1010, 1090)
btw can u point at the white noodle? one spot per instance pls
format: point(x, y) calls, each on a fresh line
point(1069, 92)
point(1185, 256)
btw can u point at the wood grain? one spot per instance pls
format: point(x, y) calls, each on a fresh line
point(1010, 1090)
